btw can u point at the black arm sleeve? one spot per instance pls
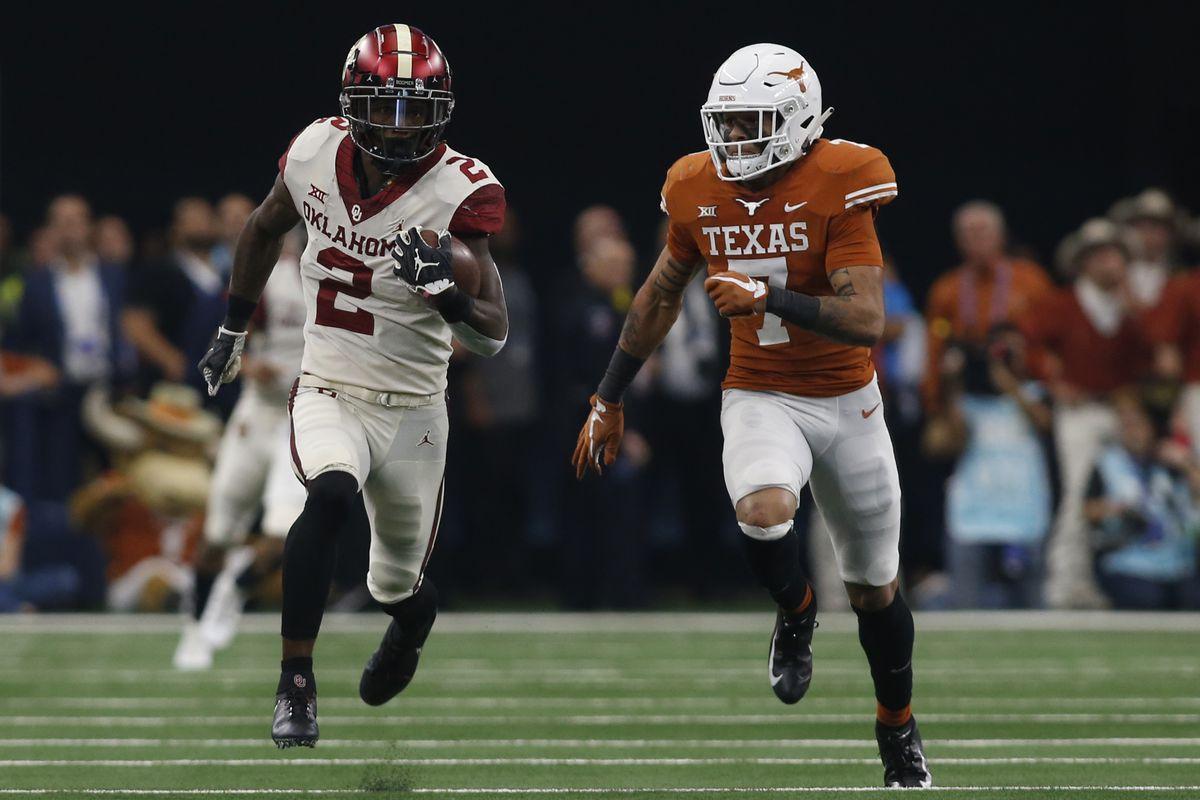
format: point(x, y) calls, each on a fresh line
point(795, 307)
point(620, 373)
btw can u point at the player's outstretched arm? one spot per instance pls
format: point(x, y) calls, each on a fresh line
point(254, 257)
point(654, 310)
point(854, 314)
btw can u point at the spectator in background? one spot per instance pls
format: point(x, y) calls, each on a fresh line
point(685, 434)
point(499, 397)
point(232, 212)
point(988, 288)
point(1093, 345)
point(1153, 220)
point(595, 223)
point(1174, 329)
point(69, 317)
point(998, 503)
point(23, 588)
point(1141, 505)
point(174, 306)
point(114, 242)
point(604, 541)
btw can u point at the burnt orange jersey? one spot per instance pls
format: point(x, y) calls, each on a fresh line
point(818, 218)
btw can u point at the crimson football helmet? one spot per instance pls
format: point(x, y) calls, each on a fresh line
point(396, 95)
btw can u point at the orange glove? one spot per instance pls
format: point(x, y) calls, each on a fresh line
point(736, 295)
point(600, 439)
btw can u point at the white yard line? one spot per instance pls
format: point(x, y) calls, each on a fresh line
point(290, 763)
point(637, 622)
point(846, 703)
point(570, 790)
point(717, 744)
point(631, 676)
point(781, 718)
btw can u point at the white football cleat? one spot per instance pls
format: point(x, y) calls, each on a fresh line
point(219, 622)
point(194, 653)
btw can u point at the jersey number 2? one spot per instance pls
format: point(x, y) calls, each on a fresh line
point(357, 321)
point(774, 271)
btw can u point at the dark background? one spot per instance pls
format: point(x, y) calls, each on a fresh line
point(1052, 110)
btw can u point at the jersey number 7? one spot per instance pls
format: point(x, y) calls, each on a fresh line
point(774, 271)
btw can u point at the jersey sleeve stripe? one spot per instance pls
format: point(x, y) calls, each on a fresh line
point(871, 197)
point(870, 189)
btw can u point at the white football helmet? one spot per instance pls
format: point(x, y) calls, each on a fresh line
point(778, 84)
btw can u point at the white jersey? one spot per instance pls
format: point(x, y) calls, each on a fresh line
point(363, 326)
point(278, 336)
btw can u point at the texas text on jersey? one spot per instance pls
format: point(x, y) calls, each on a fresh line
point(364, 327)
point(816, 219)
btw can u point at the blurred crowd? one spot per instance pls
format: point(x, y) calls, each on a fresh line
point(1046, 420)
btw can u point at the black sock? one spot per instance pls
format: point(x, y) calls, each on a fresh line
point(776, 564)
point(203, 588)
point(887, 637)
point(419, 609)
point(309, 554)
point(297, 673)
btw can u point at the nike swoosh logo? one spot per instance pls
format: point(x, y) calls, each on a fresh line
point(775, 679)
point(869, 413)
point(789, 208)
point(749, 286)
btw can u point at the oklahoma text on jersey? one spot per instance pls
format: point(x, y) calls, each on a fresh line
point(364, 327)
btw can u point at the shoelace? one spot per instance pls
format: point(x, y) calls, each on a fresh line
point(904, 756)
point(297, 705)
point(790, 635)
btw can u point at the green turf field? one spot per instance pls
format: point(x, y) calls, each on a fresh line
point(648, 706)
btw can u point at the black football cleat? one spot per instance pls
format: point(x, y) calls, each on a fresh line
point(791, 663)
point(392, 667)
point(295, 722)
point(903, 756)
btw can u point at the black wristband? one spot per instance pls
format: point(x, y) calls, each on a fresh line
point(622, 369)
point(795, 307)
point(238, 313)
point(456, 306)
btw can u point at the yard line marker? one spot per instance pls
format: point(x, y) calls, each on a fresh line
point(720, 744)
point(75, 703)
point(597, 720)
point(570, 762)
point(556, 790)
point(450, 622)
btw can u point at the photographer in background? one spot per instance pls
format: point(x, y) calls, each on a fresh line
point(1140, 506)
point(994, 420)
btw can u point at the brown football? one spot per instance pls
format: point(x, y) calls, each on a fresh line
point(462, 261)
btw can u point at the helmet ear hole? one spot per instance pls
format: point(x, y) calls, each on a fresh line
point(807, 122)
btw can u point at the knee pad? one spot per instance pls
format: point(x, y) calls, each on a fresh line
point(768, 534)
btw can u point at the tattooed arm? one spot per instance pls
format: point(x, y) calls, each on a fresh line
point(853, 314)
point(654, 310)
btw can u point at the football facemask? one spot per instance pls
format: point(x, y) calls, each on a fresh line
point(397, 129)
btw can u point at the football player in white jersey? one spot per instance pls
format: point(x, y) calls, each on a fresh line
point(368, 411)
point(253, 471)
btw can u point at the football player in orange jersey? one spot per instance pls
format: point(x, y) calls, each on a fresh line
point(784, 221)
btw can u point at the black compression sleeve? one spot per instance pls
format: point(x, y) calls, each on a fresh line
point(622, 369)
point(795, 307)
point(238, 313)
